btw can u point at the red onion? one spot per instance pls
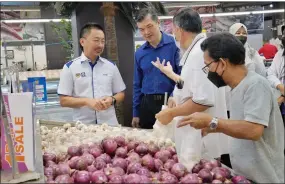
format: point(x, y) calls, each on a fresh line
point(120, 162)
point(158, 164)
point(134, 167)
point(81, 164)
point(175, 158)
point(202, 161)
point(62, 157)
point(208, 166)
point(49, 157)
point(73, 151)
point(133, 157)
point(51, 181)
point(171, 150)
point(100, 164)
point(95, 151)
point(163, 155)
point(145, 179)
point(144, 172)
point(228, 181)
point(105, 157)
point(116, 179)
point(99, 177)
point(114, 171)
point(190, 178)
point(49, 163)
point(148, 161)
point(89, 158)
point(120, 141)
point(82, 177)
point(64, 179)
point(109, 146)
point(205, 175)
point(178, 170)
point(169, 164)
point(152, 149)
point(216, 163)
point(168, 178)
point(121, 152)
point(72, 162)
point(132, 145)
point(237, 179)
point(217, 181)
point(197, 168)
point(227, 172)
point(49, 172)
point(219, 174)
point(91, 168)
point(62, 169)
point(142, 149)
point(132, 178)
point(156, 177)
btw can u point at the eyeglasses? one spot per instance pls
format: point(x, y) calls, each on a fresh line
point(206, 68)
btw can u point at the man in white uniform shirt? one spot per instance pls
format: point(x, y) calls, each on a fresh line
point(90, 84)
point(255, 127)
point(194, 92)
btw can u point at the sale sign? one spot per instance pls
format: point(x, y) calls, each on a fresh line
point(19, 111)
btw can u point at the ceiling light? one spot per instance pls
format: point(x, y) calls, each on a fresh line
point(22, 10)
point(232, 13)
point(271, 5)
point(33, 20)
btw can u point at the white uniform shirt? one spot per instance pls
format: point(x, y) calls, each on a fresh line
point(79, 79)
point(202, 91)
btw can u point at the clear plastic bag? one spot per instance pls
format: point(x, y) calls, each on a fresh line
point(188, 144)
point(164, 131)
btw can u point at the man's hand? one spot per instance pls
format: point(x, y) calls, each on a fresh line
point(167, 70)
point(171, 102)
point(281, 88)
point(165, 116)
point(197, 120)
point(280, 100)
point(107, 102)
point(95, 104)
point(135, 122)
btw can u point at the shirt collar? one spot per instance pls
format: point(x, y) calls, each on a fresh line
point(83, 58)
point(165, 39)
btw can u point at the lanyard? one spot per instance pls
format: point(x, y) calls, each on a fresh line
point(190, 48)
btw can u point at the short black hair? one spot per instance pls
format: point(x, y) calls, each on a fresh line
point(144, 12)
point(225, 45)
point(188, 20)
point(86, 29)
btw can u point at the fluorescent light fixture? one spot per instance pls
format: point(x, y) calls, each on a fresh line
point(231, 13)
point(190, 5)
point(33, 20)
point(22, 10)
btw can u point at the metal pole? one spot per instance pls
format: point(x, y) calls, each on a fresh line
point(5, 50)
point(33, 59)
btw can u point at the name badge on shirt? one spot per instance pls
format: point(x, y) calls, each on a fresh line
point(78, 75)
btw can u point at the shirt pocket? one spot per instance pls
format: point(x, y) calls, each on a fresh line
point(82, 85)
point(104, 81)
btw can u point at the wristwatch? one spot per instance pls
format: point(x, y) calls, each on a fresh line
point(214, 123)
point(114, 100)
point(180, 84)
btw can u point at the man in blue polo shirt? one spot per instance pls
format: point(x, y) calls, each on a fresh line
point(150, 84)
point(90, 84)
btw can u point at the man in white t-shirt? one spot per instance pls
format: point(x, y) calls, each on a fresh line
point(256, 128)
point(194, 92)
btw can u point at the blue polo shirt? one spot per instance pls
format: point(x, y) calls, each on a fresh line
point(147, 78)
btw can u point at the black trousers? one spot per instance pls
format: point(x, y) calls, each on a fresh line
point(283, 116)
point(150, 105)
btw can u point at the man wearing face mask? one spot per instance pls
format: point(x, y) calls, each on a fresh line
point(195, 92)
point(276, 75)
point(256, 128)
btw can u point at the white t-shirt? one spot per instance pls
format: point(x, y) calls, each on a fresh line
point(261, 161)
point(78, 79)
point(202, 91)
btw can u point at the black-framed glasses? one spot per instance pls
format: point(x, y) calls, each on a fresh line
point(206, 68)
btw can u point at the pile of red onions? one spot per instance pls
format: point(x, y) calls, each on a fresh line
point(116, 160)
